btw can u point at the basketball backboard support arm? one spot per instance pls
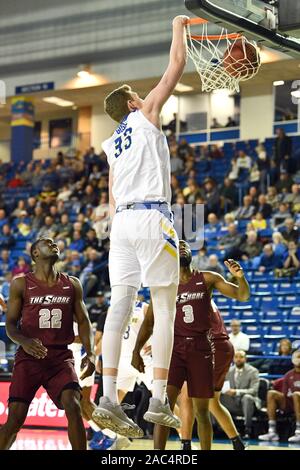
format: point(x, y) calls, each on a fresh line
point(247, 17)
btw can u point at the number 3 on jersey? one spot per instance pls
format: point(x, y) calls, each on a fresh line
point(123, 143)
point(188, 314)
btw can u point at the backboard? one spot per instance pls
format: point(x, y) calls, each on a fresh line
point(256, 19)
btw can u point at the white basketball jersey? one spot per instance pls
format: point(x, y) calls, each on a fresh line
point(138, 154)
point(132, 330)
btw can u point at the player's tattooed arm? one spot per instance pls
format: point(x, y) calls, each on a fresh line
point(32, 346)
point(85, 330)
point(144, 334)
point(239, 291)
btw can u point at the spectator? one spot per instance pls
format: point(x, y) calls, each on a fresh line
point(214, 265)
point(6, 262)
point(99, 308)
point(264, 207)
point(48, 229)
point(230, 241)
point(77, 243)
point(16, 181)
point(282, 366)
point(240, 391)
point(250, 248)
point(23, 224)
point(212, 197)
point(215, 124)
point(230, 122)
point(191, 191)
point(184, 149)
point(213, 225)
point(287, 400)
point(272, 197)
point(38, 218)
point(7, 240)
point(31, 205)
point(64, 227)
point(234, 171)
point(176, 162)
point(258, 221)
point(285, 183)
point(20, 208)
point(5, 287)
point(263, 164)
point(269, 260)
point(89, 197)
point(290, 231)
point(215, 153)
point(91, 240)
point(244, 162)
point(253, 193)
point(200, 261)
point(21, 268)
point(280, 215)
point(64, 194)
point(278, 245)
point(246, 211)
point(291, 262)
point(239, 340)
point(228, 194)
point(283, 148)
point(93, 273)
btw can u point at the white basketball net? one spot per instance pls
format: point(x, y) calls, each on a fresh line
point(208, 57)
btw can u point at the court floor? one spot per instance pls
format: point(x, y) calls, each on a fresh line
point(41, 439)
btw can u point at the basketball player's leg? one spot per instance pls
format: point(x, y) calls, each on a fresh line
point(87, 405)
point(201, 411)
point(164, 307)
point(161, 433)
point(187, 417)
point(17, 412)
point(70, 400)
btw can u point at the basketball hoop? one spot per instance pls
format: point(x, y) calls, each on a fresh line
point(222, 60)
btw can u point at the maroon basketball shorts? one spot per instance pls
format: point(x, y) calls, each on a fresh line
point(193, 362)
point(55, 373)
point(224, 353)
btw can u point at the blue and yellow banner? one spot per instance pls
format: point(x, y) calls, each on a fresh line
point(22, 111)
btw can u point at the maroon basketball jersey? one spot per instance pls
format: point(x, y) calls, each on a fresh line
point(218, 329)
point(47, 312)
point(193, 309)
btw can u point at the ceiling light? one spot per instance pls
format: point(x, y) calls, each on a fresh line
point(182, 88)
point(58, 101)
point(84, 71)
point(278, 83)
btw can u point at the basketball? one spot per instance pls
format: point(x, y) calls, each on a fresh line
point(241, 59)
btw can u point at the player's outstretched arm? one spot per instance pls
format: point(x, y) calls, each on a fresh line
point(32, 346)
point(178, 57)
point(144, 334)
point(84, 328)
point(239, 291)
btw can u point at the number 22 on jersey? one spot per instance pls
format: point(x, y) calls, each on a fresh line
point(123, 142)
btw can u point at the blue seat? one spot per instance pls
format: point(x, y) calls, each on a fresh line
point(236, 305)
point(296, 332)
point(269, 303)
point(294, 316)
point(277, 331)
point(269, 347)
point(228, 315)
point(224, 303)
point(248, 317)
point(289, 301)
point(285, 288)
point(253, 331)
point(256, 346)
point(264, 288)
point(272, 316)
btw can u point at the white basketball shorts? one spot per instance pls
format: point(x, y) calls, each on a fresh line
point(128, 375)
point(76, 349)
point(143, 249)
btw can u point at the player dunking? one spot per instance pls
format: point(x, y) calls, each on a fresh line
point(140, 196)
point(192, 353)
point(40, 319)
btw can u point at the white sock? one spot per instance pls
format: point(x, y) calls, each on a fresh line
point(160, 390)
point(272, 426)
point(110, 388)
point(93, 425)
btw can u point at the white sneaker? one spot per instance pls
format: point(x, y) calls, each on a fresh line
point(270, 436)
point(295, 438)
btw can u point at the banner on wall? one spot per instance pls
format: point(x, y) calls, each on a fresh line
point(22, 112)
point(42, 411)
